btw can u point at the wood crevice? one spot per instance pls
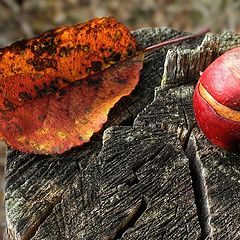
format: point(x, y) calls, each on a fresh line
point(30, 233)
point(132, 180)
point(199, 187)
point(133, 217)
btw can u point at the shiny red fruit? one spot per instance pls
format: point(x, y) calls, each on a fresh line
point(216, 101)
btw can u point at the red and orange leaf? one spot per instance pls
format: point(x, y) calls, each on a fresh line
point(56, 90)
point(69, 117)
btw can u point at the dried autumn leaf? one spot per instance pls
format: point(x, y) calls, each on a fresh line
point(56, 90)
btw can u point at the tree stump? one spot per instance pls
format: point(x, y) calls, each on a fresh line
point(150, 174)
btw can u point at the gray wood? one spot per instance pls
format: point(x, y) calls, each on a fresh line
point(134, 181)
point(221, 172)
point(217, 170)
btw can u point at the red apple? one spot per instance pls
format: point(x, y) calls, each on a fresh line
point(216, 101)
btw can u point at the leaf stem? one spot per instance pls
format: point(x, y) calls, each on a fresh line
point(177, 40)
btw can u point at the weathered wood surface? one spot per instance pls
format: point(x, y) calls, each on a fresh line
point(2, 187)
point(154, 176)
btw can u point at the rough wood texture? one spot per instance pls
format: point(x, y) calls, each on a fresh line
point(2, 180)
point(143, 179)
point(221, 172)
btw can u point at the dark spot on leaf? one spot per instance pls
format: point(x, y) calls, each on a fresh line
point(19, 128)
point(43, 90)
point(19, 46)
point(41, 117)
point(54, 85)
point(76, 83)
point(115, 57)
point(88, 70)
point(64, 80)
point(24, 96)
point(65, 51)
point(61, 92)
point(44, 44)
point(105, 59)
point(96, 66)
point(85, 48)
point(9, 105)
point(38, 91)
point(40, 64)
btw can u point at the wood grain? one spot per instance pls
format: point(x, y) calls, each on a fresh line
point(142, 179)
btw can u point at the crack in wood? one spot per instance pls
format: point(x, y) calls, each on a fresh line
point(184, 137)
point(129, 121)
point(183, 109)
point(135, 214)
point(132, 180)
point(199, 187)
point(42, 217)
point(31, 231)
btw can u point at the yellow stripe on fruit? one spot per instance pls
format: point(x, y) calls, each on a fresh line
point(221, 110)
